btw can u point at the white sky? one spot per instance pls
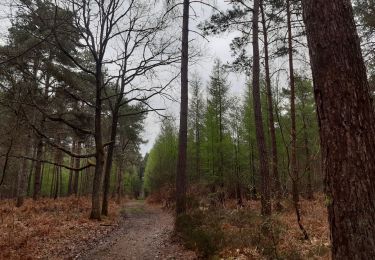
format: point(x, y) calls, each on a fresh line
point(217, 47)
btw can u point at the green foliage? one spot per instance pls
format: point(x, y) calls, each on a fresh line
point(201, 232)
point(133, 183)
point(161, 164)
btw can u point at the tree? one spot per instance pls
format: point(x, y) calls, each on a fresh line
point(271, 121)
point(196, 122)
point(261, 141)
point(142, 39)
point(347, 126)
point(216, 127)
point(182, 136)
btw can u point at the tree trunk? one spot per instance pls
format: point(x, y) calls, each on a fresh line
point(38, 169)
point(263, 156)
point(120, 186)
point(309, 191)
point(29, 181)
point(70, 182)
point(22, 178)
point(182, 137)
point(276, 181)
point(347, 126)
point(293, 134)
point(77, 165)
point(293, 147)
point(108, 165)
point(99, 156)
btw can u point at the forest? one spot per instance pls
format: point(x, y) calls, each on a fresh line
point(187, 129)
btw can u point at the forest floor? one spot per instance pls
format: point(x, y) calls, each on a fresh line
point(51, 229)
point(60, 229)
point(145, 234)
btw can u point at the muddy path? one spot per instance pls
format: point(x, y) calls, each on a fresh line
point(144, 233)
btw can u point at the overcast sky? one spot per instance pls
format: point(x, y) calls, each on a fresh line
point(216, 47)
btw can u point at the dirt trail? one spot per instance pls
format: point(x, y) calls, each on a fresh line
point(144, 234)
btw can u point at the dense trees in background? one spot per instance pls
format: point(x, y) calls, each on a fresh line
point(79, 106)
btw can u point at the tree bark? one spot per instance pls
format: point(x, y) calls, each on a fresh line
point(293, 146)
point(182, 137)
point(309, 191)
point(108, 165)
point(77, 165)
point(22, 178)
point(275, 172)
point(347, 126)
point(38, 169)
point(99, 149)
point(263, 156)
point(70, 182)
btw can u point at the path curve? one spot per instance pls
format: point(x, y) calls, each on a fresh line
point(144, 234)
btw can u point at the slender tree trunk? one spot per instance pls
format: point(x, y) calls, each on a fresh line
point(29, 181)
point(38, 169)
point(237, 171)
point(114, 191)
point(263, 156)
point(99, 156)
point(197, 141)
point(276, 178)
point(22, 175)
point(52, 188)
point(109, 160)
point(253, 191)
point(57, 172)
point(77, 165)
point(40, 145)
point(70, 182)
point(293, 147)
point(182, 137)
point(347, 126)
point(309, 191)
point(120, 186)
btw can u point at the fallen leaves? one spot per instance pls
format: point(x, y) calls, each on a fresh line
point(52, 229)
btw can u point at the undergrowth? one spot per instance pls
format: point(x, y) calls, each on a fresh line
point(230, 232)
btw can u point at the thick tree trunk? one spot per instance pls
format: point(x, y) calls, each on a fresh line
point(263, 156)
point(182, 137)
point(276, 178)
point(108, 165)
point(347, 126)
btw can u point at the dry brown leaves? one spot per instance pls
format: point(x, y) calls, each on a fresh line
point(315, 221)
point(50, 229)
point(291, 244)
